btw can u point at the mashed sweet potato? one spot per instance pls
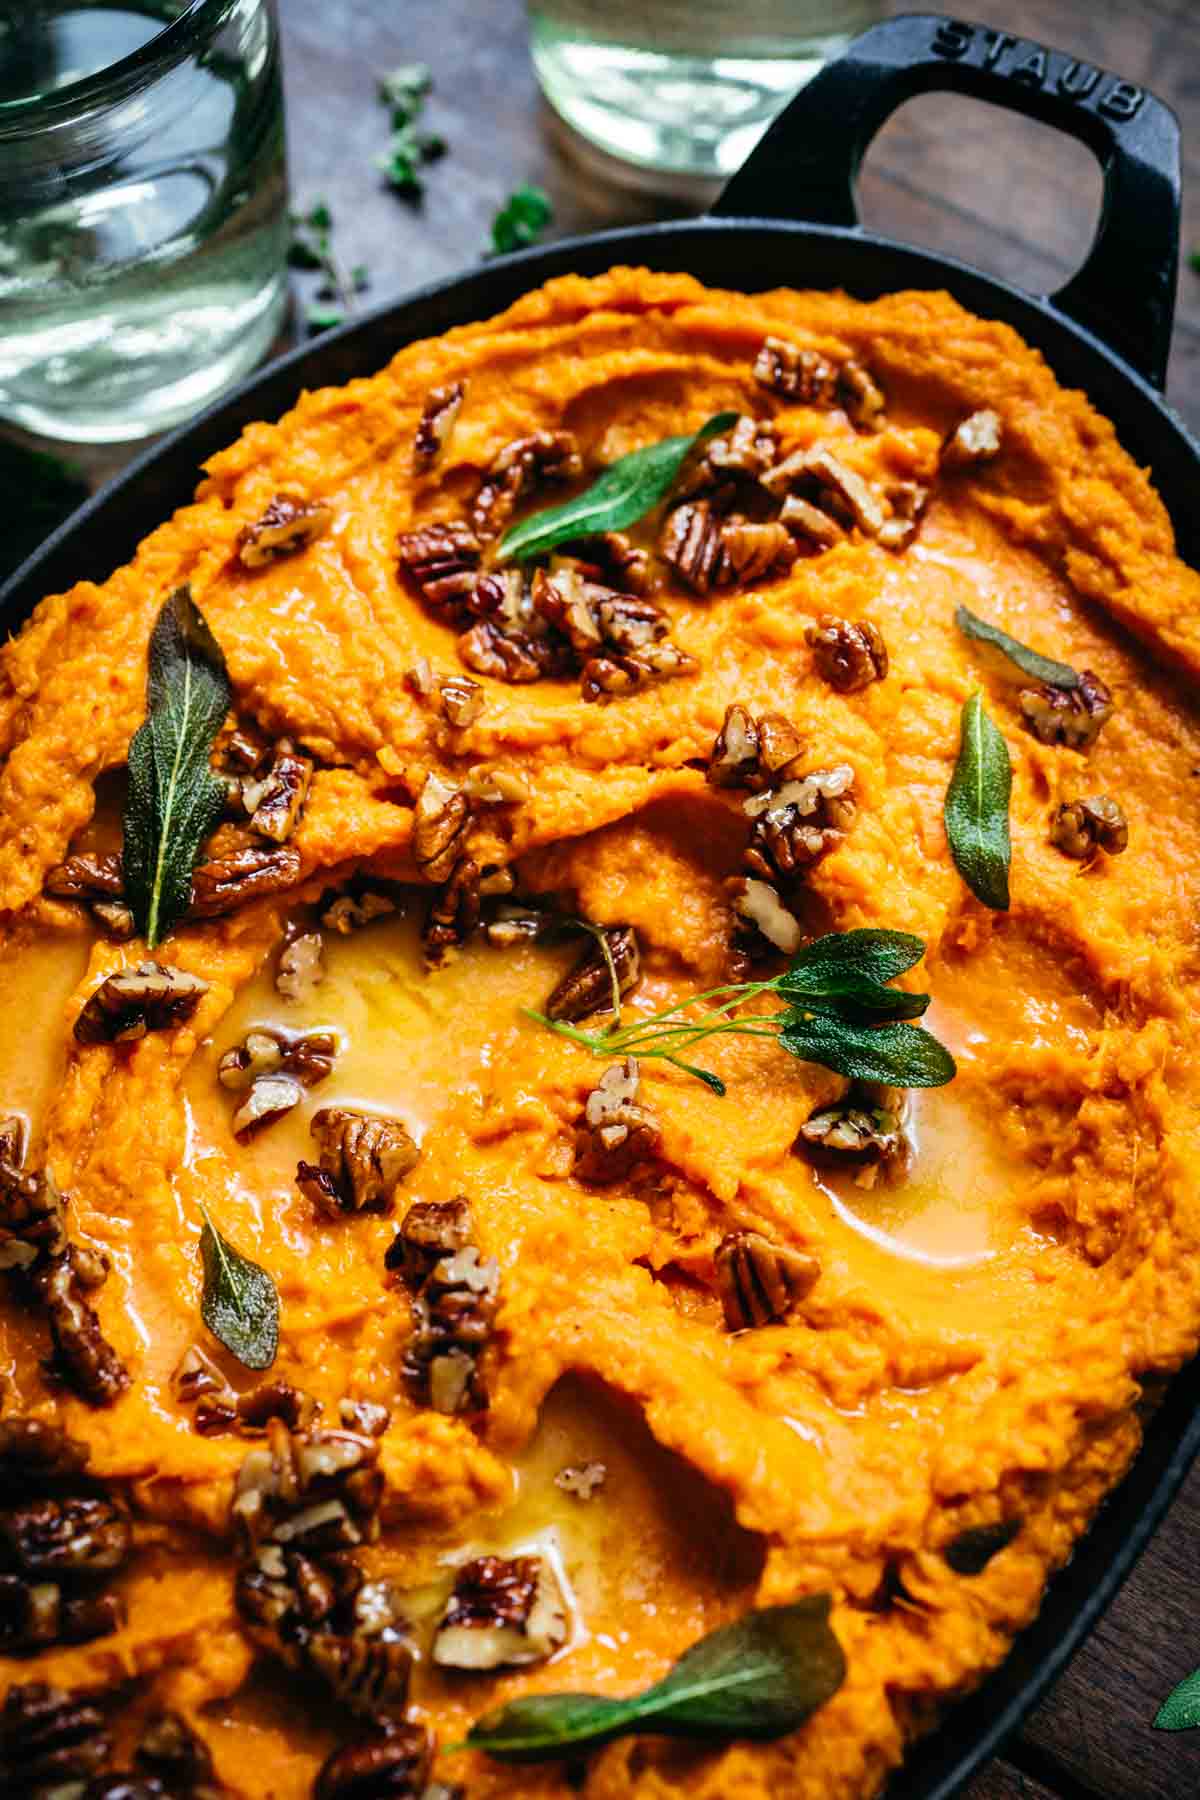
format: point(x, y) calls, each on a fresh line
point(972, 1349)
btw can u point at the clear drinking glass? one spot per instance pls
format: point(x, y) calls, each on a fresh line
point(143, 209)
point(683, 88)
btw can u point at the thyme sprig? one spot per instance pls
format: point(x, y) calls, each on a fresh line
point(840, 1013)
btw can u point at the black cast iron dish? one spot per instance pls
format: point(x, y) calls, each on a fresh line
point(788, 219)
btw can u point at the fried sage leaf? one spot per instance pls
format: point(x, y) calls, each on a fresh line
point(240, 1304)
point(895, 1054)
point(846, 972)
point(976, 810)
point(174, 798)
point(760, 1677)
point(625, 493)
point(1030, 662)
point(1180, 1711)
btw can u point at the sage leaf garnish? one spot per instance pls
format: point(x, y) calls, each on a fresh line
point(174, 798)
point(1030, 662)
point(841, 1013)
point(898, 1055)
point(625, 493)
point(760, 1677)
point(239, 1304)
point(1180, 1711)
point(971, 1551)
point(976, 810)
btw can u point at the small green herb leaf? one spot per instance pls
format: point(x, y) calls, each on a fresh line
point(898, 1055)
point(846, 971)
point(174, 799)
point(976, 810)
point(1180, 1711)
point(521, 220)
point(240, 1305)
point(1030, 662)
point(760, 1677)
point(627, 490)
point(404, 90)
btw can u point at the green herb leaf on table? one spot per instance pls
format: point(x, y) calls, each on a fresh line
point(521, 221)
point(1030, 662)
point(311, 249)
point(759, 1678)
point(240, 1304)
point(841, 1015)
point(976, 809)
point(626, 491)
point(404, 90)
point(1180, 1711)
point(174, 798)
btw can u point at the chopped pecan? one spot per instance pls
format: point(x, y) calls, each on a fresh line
point(442, 562)
point(461, 700)
point(51, 1740)
point(863, 1130)
point(442, 406)
point(441, 820)
point(797, 824)
point(691, 543)
point(452, 1327)
point(516, 924)
point(86, 1358)
point(615, 1132)
point(749, 449)
point(275, 800)
point(170, 1751)
point(301, 966)
point(116, 919)
point(431, 1230)
point(321, 1616)
point(269, 1099)
point(804, 520)
point(1071, 716)
point(797, 374)
point(316, 1491)
point(34, 1450)
point(289, 524)
point(617, 560)
point(975, 440)
point(391, 1763)
point(503, 597)
point(309, 1058)
point(1081, 827)
point(364, 1417)
point(908, 500)
point(364, 1157)
point(56, 1536)
point(849, 654)
point(563, 599)
point(453, 912)
point(243, 753)
point(12, 1141)
point(624, 672)
point(588, 987)
point(33, 1224)
point(759, 1281)
point(582, 1480)
point(750, 551)
point(129, 1003)
point(487, 785)
point(519, 467)
point(502, 1614)
point(34, 1615)
point(276, 1400)
point(227, 882)
point(759, 905)
point(90, 875)
point(196, 1374)
point(752, 753)
point(359, 905)
point(515, 657)
point(860, 396)
point(840, 486)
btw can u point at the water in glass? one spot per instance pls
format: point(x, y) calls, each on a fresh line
point(143, 209)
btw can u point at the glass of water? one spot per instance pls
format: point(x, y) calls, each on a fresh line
point(682, 90)
point(143, 209)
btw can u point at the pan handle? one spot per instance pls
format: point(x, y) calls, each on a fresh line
point(805, 166)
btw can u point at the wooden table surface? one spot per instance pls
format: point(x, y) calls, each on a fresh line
point(1009, 196)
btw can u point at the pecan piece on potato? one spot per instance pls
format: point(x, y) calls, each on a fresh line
point(848, 654)
point(151, 996)
point(363, 1159)
point(758, 1281)
point(288, 525)
point(1080, 828)
point(588, 987)
point(437, 421)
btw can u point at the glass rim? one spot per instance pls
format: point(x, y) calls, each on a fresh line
point(110, 84)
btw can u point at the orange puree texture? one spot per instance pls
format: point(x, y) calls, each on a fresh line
point(977, 1340)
